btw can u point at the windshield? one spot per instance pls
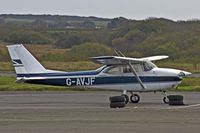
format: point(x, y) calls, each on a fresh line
point(100, 68)
point(148, 65)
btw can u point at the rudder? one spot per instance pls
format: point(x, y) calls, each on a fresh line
point(23, 60)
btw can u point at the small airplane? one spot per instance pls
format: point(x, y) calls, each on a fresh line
point(118, 73)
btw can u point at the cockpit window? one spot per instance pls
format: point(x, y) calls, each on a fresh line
point(121, 69)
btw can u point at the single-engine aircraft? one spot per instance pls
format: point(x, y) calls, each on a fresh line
point(118, 73)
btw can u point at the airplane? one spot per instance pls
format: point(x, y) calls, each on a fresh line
point(117, 73)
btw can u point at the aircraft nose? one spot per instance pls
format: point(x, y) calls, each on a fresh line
point(187, 73)
point(184, 74)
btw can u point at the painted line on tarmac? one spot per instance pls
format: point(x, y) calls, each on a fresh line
point(183, 107)
point(168, 107)
point(39, 107)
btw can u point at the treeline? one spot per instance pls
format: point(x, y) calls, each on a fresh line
point(52, 21)
point(90, 36)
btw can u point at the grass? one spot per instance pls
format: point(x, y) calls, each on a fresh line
point(190, 84)
point(8, 84)
point(193, 68)
point(188, 88)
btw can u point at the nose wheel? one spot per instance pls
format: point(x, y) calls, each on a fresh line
point(165, 100)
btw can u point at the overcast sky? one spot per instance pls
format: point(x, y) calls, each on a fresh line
point(132, 9)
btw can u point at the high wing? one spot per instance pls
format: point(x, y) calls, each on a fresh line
point(117, 60)
point(155, 58)
point(114, 60)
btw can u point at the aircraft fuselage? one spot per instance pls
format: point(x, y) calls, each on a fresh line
point(155, 80)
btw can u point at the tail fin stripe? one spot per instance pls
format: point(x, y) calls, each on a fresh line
point(23, 60)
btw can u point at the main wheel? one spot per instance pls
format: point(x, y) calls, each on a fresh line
point(135, 98)
point(126, 98)
point(165, 100)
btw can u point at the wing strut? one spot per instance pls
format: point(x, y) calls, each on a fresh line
point(137, 77)
point(119, 53)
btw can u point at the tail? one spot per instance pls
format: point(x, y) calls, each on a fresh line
point(23, 61)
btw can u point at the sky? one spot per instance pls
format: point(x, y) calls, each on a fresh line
point(131, 9)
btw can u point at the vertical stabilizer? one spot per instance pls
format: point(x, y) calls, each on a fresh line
point(23, 61)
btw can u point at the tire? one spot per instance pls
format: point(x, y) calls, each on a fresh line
point(126, 98)
point(166, 100)
point(117, 99)
point(175, 99)
point(176, 103)
point(117, 104)
point(135, 98)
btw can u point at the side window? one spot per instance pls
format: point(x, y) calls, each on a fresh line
point(138, 67)
point(126, 69)
point(115, 70)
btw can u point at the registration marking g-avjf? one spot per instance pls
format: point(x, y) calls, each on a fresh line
point(82, 81)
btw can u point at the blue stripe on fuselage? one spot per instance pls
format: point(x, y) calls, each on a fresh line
point(105, 80)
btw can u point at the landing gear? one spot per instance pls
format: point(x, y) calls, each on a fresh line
point(121, 101)
point(166, 100)
point(173, 99)
point(134, 98)
point(126, 98)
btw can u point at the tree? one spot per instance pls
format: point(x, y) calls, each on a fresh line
point(69, 41)
point(24, 36)
point(118, 22)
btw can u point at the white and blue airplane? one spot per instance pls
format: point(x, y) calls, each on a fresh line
point(117, 73)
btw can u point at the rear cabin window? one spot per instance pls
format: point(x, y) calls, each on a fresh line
point(124, 69)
